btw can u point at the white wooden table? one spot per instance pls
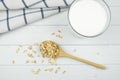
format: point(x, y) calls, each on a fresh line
point(104, 49)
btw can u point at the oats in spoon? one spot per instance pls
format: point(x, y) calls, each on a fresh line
point(49, 49)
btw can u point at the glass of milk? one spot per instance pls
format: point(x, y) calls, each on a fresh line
point(89, 18)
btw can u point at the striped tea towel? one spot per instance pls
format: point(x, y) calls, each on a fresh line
point(22, 12)
point(20, 4)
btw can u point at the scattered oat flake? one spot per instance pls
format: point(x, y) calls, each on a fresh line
point(36, 72)
point(51, 63)
point(30, 55)
point(24, 51)
point(20, 46)
point(59, 30)
point(49, 60)
point(64, 72)
point(49, 69)
point(59, 36)
point(17, 50)
point(34, 51)
point(58, 67)
point(53, 33)
point(27, 61)
point(36, 44)
point(30, 47)
point(56, 71)
point(13, 61)
point(34, 61)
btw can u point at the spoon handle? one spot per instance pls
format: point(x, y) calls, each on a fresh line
point(84, 61)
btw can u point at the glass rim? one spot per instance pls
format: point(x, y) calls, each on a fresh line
point(104, 4)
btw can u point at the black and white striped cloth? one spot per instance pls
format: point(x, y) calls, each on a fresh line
point(18, 13)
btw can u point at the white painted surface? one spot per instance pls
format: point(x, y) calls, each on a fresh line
point(104, 49)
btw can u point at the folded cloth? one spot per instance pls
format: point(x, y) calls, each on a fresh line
point(12, 19)
point(20, 4)
point(18, 13)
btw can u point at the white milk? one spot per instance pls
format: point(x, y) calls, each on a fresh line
point(89, 17)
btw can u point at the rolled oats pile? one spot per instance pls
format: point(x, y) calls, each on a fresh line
point(49, 49)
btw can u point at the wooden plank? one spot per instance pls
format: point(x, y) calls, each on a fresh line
point(115, 15)
point(31, 34)
point(75, 72)
point(100, 54)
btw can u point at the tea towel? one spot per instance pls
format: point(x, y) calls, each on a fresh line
point(18, 13)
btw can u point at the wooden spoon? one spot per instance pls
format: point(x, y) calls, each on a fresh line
point(64, 54)
point(55, 51)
